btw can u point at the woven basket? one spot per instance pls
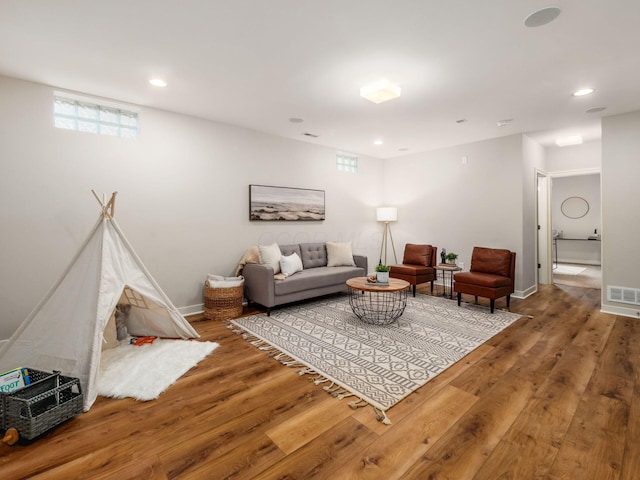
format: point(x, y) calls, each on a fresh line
point(223, 303)
point(49, 400)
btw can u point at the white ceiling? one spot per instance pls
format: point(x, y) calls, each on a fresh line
point(257, 63)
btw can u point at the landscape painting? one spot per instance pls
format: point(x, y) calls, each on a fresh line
point(268, 203)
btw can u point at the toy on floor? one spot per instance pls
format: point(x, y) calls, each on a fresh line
point(138, 341)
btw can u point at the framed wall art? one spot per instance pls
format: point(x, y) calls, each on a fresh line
point(267, 203)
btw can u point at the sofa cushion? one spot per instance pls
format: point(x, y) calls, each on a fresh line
point(418, 254)
point(411, 269)
point(482, 279)
point(339, 254)
point(317, 277)
point(290, 264)
point(313, 255)
point(491, 260)
point(270, 255)
point(289, 249)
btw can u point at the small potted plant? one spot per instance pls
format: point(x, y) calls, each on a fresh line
point(382, 273)
point(451, 258)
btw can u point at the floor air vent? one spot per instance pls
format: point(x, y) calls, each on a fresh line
point(624, 295)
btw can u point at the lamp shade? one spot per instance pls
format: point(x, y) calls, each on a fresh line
point(387, 214)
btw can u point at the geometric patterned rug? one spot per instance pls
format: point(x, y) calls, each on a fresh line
point(378, 364)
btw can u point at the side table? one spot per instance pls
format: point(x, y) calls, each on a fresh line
point(375, 303)
point(444, 268)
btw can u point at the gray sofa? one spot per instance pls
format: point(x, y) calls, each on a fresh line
point(314, 280)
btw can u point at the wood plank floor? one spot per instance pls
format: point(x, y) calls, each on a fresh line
point(554, 396)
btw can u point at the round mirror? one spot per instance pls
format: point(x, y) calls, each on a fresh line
point(574, 207)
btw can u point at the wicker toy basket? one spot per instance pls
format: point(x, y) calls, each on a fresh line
point(223, 303)
point(49, 400)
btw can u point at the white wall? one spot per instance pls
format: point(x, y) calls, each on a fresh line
point(183, 196)
point(574, 158)
point(620, 219)
point(456, 205)
point(533, 161)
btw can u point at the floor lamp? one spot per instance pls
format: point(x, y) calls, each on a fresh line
point(386, 215)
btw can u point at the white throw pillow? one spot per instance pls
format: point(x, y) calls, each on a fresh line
point(339, 254)
point(290, 264)
point(270, 255)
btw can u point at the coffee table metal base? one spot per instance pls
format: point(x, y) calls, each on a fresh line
point(378, 308)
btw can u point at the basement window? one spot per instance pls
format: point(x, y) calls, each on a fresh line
point(346, 162)
point(72, 112)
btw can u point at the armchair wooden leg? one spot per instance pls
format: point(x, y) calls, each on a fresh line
point(476, 299)
point(508, 300)
point(414, 290)
point(493, 304)
point(431, 287)
point(459, 298)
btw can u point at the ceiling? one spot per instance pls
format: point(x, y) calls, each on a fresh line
point(258, 63)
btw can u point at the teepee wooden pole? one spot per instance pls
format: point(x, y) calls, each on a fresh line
point(97, 197)
point(112, 204)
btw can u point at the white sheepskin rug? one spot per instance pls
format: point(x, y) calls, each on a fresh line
point(146, 371)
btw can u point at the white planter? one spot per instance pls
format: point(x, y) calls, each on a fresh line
point(382, 277)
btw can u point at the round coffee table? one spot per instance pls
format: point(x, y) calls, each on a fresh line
point(377, 304)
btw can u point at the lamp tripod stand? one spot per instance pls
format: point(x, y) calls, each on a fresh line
point(385, 235)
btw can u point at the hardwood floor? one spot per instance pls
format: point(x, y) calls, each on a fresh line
point(554, 396)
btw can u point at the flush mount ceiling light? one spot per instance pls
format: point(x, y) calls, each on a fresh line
point(380, 91)
point(571, 140)
point(542, 17)
point(596, 109)
point(158, 82)
point(583, 91)
point(377, 142)
point(296, 120)
point(506, 121)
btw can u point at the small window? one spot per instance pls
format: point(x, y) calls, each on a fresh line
point(81, 114)
point(347, 163)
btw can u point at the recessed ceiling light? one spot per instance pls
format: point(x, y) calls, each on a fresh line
point(462, 120)
point(380, 91)
point(596, 109)
point(542, 17)
point(403, 149)
point(506, 121)
point(377, 142)
point(158, 82)
point(583, 91)
point(571, 140)
point(296, 120)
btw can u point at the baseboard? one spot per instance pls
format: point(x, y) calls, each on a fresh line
point(197, 309)
point(2, 342)
point(522, 294)
point(192, 309)
point(574, 261)
point(624, 311)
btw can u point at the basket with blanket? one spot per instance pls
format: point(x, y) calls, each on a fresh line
point(223, 297)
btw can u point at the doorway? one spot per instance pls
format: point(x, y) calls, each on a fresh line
point(575, 206)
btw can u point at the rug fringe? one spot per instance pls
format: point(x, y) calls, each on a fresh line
point(335, 390)
point(382, 416)
point(358, 403)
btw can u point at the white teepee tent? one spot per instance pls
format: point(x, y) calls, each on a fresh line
point(66, 329)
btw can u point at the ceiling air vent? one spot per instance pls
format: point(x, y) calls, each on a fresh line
point(623, 295)
point(312, 135)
